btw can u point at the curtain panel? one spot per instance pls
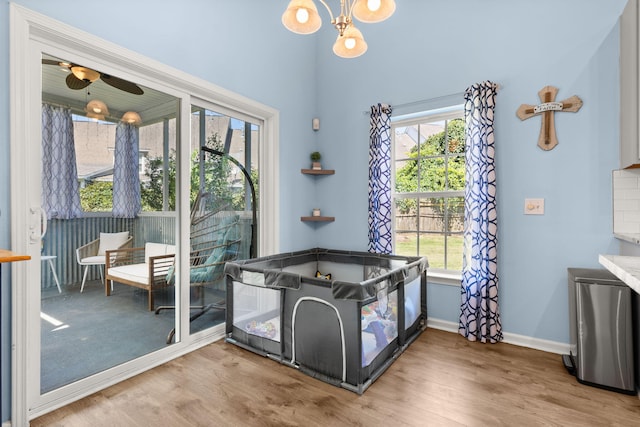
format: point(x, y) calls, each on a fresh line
point(60, 194)
point(380, 234)
point(126, 172)
point(479, 317)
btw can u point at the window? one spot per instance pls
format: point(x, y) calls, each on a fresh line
point(95, 145)
point(428, 188)
point(237, 137)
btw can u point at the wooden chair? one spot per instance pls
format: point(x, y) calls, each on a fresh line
point(145, 268)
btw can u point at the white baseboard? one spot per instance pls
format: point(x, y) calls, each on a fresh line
point(6, 423)
point(509, 338)
point(443, 325)
point(536, 343)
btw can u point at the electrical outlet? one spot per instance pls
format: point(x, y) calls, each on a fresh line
point(534, 206)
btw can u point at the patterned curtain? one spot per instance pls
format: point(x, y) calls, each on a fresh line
point(479, 317)
point(60, 189)
point(380, 180)
point(126, 177)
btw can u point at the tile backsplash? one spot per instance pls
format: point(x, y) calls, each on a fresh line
point(626, 201)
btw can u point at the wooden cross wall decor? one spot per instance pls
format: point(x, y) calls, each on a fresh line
point(547, 94)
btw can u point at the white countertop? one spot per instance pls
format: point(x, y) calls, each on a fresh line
point(626, 268)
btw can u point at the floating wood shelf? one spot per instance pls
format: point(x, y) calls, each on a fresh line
point(318, 171)
point(318, 218)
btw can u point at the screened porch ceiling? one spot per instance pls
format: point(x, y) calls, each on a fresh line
point(152, 106)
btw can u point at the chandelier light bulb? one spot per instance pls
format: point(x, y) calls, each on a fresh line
point(302, 15)
point(372, 11)
point(351, 44)
point(373, 5)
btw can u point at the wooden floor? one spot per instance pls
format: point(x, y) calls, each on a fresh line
point(441, 380)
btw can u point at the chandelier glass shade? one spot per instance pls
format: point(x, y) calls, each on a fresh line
point(302, 17)
point(372, 11)
point(132, 118)
point(96, 109)
point(350, 44)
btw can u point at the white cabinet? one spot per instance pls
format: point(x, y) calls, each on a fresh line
point(626, 205)
point(629, 96)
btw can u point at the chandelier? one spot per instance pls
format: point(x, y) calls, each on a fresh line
point(302, 17)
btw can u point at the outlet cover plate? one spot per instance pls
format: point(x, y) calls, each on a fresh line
point(534, 206)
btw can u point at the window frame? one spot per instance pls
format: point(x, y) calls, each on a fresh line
point(143, 160)
point(442, 276)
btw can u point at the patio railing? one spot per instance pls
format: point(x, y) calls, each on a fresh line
point(65, 236)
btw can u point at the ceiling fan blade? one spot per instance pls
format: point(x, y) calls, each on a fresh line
point(50, 62)
point(75, 83)
point(121, 84)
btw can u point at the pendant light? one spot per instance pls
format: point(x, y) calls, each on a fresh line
point(96, 109)
point(301, 17)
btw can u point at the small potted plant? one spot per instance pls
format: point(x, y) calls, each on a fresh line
point(315, 160)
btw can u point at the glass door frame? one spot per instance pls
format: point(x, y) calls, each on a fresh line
point(31, 35)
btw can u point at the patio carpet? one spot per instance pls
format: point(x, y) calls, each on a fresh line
point(86, 333)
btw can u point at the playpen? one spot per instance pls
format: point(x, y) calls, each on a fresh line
point(339, 316)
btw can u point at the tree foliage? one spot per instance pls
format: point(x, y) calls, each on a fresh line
point(228, 190)
point(97, 196)
point(436, 164)
point(151, 190)
point(428, 157)
point(216, 174)
point(217, 180)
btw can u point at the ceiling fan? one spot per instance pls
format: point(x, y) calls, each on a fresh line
point(81, 77)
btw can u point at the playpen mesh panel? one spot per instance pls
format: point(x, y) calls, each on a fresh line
point(411, 302)
point(379, 326)
point(344, 272)
point(308, 269)
point(257, 311)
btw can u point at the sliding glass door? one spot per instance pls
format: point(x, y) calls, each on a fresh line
point(224, 207)
point(108, 175)
point(73, 333)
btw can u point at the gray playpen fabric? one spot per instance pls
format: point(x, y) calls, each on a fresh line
point(346, 330)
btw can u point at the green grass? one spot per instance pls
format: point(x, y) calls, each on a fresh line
point(432, 246)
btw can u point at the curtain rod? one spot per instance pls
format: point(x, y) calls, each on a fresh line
point(70, 107)
point(56, 104)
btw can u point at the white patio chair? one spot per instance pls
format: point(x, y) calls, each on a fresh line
point(93, 253)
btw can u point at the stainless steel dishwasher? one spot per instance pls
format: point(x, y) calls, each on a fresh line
point(601, 331)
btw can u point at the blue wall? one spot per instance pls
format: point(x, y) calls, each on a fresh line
point(426, 51)
point(430, 55)
point(198, 37)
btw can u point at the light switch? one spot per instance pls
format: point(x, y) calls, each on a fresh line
point(534, 206)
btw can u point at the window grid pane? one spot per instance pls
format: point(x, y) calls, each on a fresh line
point(429, 180)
